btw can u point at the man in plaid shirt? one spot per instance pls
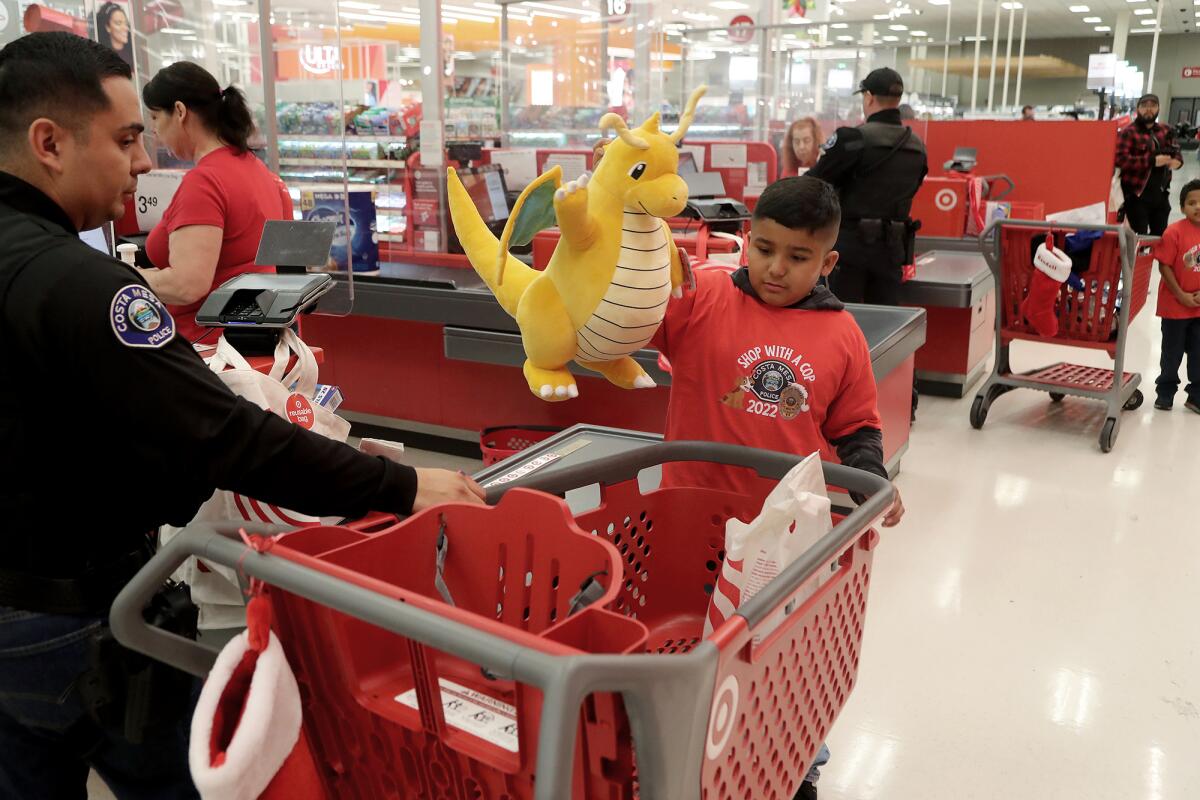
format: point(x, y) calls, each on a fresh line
point(1146, 154)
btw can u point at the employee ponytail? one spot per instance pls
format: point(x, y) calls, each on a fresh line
point(224, 112)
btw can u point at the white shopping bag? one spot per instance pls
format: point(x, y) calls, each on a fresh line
point(795, 516)
point(287, 394)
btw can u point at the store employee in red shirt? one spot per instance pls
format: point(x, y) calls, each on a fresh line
point(211, 230)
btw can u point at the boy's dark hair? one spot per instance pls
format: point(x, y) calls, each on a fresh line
point(1188, 188)
point(57, 76)
point(800, 203)
point(224, 113)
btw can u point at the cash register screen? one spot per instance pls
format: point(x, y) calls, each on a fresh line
point(98, 239)
point(487, 190)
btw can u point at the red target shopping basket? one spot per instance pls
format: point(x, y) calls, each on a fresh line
point(520, 652)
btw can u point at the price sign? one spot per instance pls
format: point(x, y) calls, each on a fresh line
point(154, 193)
point(1191, 72)
point(741, 29)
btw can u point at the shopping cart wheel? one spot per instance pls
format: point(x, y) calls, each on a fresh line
point(983, 402)
point(1108, 435)
point(1056, 397)
point(1135, 400)
point(978, 413)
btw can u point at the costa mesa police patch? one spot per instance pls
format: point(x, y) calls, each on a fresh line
point(139, 319)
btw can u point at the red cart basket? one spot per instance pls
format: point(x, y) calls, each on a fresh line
point(516, 651)
point(497, 444)
point(1097, 317)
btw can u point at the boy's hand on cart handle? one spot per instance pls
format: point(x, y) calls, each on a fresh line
point(892, 517)
point(437, 486)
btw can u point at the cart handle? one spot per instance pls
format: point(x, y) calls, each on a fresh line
point(769, 464)
point(1001, 177)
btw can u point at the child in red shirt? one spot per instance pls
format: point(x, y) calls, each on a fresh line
point(767, 358)
point(1178, 256)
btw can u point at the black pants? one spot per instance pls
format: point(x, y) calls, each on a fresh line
point(866, 273)
point(1149, 213)
point(1179, 337)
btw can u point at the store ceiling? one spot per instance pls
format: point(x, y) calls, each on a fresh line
point(898, 22)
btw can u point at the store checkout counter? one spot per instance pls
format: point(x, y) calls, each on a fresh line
point(955, 288)
point(428, 349)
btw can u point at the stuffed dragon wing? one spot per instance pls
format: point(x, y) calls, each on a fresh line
point(532, 213)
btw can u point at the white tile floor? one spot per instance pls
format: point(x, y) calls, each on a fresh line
point(1034, 624)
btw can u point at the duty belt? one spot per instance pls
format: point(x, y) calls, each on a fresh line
point(88, 594)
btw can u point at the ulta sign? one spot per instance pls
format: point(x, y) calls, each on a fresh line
point(319, 59)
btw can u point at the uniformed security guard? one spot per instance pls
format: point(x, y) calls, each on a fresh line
point(877, 168)
point(111, 425)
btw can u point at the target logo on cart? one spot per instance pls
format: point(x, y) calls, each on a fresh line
point(946, 200)
point(723, 718)
point(300, 411)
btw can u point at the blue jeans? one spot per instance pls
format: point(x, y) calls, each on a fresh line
point(47, 741)
point(814, 772)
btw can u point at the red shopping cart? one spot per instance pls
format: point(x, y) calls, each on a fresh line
point(1096, 316)
point(497, 444)
point(552, 656)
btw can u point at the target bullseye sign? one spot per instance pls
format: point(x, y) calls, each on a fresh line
point(946, 200)
point(723, 718)
point(1191, 72)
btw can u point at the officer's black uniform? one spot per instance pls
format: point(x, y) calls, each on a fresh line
point(107, 434)
point(877, 168)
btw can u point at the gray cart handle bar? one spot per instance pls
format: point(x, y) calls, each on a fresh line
point(1001, 177)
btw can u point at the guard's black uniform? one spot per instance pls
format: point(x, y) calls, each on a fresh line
point(877, 168)
point(108, 432)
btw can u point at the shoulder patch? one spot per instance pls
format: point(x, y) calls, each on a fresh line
point(139, 318)
point(830, 143)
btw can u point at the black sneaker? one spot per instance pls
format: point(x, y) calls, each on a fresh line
point(1163, 405)
point(1192, 405)
point(808, 791)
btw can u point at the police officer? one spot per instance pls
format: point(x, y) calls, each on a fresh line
point(111, 425)
point(877, 169)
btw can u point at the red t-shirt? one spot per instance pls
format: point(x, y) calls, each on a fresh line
point(1180, 250)
point(236, 193)
point(747, 373)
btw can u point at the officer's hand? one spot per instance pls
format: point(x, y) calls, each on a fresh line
point(437, 486)
point(892, 518)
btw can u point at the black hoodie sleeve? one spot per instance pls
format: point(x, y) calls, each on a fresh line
point(863, 450)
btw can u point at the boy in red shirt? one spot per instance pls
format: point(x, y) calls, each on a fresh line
point(767, 358)
point(1178, 256)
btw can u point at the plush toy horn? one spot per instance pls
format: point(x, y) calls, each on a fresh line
point(689, 114)
point(613, 122)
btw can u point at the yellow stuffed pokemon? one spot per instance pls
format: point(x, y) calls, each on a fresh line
point(605, 291)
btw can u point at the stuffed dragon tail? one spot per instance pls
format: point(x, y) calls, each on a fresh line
point(507, 279)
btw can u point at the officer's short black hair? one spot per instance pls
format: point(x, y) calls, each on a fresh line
point(801, 203)
point(58, 76)
point(1188, 188)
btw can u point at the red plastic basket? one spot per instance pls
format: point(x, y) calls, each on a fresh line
point(497, 444)
point(1089, 316)
point(658, 555)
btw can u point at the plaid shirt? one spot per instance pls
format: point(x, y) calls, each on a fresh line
point(1136, 153)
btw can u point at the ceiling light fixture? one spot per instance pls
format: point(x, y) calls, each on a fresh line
point(1092, 20)
point(898, 27)
point(729, 5)
point(891, 38)
point(1079, 9)
point(840, 26)
point(1141, 12)
point(1103, 29)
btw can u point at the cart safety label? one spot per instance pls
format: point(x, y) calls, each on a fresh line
point(530, 467)
point(475, 713)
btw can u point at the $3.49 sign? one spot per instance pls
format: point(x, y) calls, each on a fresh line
point(154, 193)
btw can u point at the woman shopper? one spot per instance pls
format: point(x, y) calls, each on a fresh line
point(211, 230)
point(801, 146)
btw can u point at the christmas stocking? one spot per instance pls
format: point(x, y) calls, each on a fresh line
point(246, 739)
point(1051, 268)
